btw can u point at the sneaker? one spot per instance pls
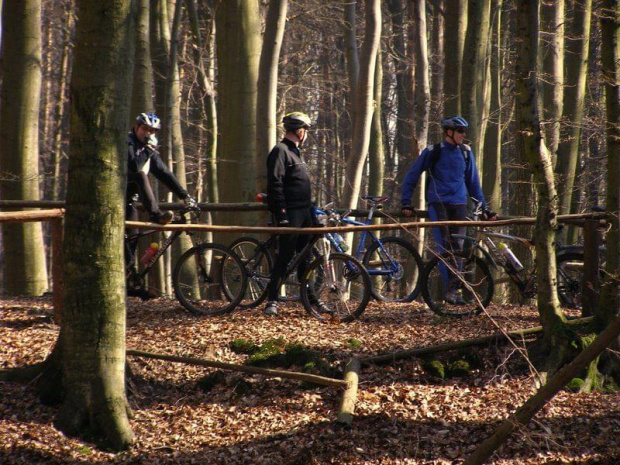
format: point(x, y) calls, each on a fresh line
point(455, 297)
point(162, 217)
point(271, 309)
point(321, 307)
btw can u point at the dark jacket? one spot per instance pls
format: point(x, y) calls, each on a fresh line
point(141, 157)
point(288, 183)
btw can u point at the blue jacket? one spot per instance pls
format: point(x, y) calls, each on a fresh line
point(453, 180)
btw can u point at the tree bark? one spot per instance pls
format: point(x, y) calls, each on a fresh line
point(91, 344)
point(266, 124)
point(376, 155)
point(19, 143)
point(352, 55)
point(363, 118)
point(456, 28)
point(238, 53)
point(610, 24)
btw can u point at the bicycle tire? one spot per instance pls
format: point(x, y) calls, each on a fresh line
point(201, 275)
point(400, 285)
point(258, 265)
point(346, 297)
point(570, 280)
point(476, 283)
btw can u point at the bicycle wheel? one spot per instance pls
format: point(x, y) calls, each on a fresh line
point(209, 279)
point(457, 293)
point(394, 270)
point(570, 278)
point(342, 285)
point(258, 264)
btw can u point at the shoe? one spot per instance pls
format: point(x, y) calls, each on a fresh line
point(162, 217)
point(321, 307)
point(271, 309)
point(454, 297)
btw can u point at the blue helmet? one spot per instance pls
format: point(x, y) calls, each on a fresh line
point(149, 119)
point(454, 122)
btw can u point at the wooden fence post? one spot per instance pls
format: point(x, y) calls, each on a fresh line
point(590, 288)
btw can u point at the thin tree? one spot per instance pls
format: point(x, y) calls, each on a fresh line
point(364, 105)
point(456, 28)
point(266, 124)
point(19, 143)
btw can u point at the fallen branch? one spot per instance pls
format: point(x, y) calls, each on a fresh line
point(533, 405)
point(243, 368)
point(379, 359)
point(351, 376)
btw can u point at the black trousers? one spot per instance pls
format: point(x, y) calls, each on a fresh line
point(288, 244)
point(138, 187)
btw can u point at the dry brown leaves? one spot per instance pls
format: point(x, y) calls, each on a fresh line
point(403, 415)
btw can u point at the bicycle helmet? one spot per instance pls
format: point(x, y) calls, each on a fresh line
point(454, 122)
point(296, 120)
point(150, 120)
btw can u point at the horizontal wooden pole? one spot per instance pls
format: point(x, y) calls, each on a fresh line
point(30, 216)
point(243, 368)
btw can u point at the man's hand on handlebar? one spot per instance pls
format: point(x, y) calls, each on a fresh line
point(190, 202)
point(488, 215)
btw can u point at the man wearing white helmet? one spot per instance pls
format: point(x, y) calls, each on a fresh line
point(142, 159)
point(290, 201)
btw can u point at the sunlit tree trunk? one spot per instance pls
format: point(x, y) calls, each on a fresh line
point(238, 53)
point(491, 160)
point(437, 68)
point(364, 105)
point(91, 344)
point(351, 53)
point(553, 15)
point(577, 51)
point(376, 156)
point(266, 124)
point(19, 143)
point(473, 79)
point(456, 28)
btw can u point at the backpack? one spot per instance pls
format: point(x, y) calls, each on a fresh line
point(436, 155)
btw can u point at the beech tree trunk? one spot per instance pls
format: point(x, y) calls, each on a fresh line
point(456, 28)
point(364, 111)
point(21, 71)
point(266, 124)
point(610, 48)
point(91, 344)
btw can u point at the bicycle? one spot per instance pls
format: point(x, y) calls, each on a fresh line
point(394, 265)
point(208, 279)
point(461, 283)
point(338, 280)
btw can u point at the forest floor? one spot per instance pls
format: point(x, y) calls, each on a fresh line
point(403, 413)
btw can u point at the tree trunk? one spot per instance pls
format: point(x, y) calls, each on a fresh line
point(405, 146)
point(376, 158)
point(530, 142)
point(437, 67)
point(491, 159)
point(456, 28)
point(610, 24)
point(553, 14)
point(364, 105)
point(351, 53)
point(91, 343)
point(577, 51)
point(473, 79)
point(422, 87)
point(266, 124)
point(238, 53)
point(23, 244)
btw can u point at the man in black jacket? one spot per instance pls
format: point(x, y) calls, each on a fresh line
point(290, 202)
point(142, 159)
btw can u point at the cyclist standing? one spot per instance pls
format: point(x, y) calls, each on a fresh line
point(452, 179)
point(142, 159)
point(289, 200)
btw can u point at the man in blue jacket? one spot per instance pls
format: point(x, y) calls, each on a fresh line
point(452, 179)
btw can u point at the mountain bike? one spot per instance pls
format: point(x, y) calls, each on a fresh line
point(393, 263)
point(337, 280)
point(208, 279)
point(461, 283)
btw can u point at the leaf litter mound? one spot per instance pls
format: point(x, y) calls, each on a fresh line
point(405, 412)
